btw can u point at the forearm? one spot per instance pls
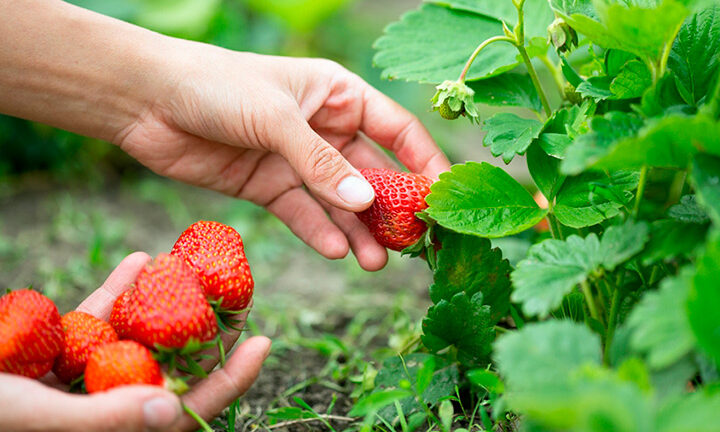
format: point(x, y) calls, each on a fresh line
point(77, 70)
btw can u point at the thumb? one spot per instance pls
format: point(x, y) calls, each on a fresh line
point(133, 408)
point(323, 168)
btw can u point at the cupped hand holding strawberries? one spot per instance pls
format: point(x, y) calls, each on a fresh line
point(286, 133)
point(164, 309)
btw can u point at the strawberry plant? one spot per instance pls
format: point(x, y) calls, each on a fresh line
point(610, 320)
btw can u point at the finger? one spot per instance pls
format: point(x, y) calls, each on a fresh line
point(363, 154)
point(370, 255)
point(210, 396)
point(101, 301)
point(394, 128)
point(307, 220)
point(228, 340)
point(133, 408)
point(322, 167)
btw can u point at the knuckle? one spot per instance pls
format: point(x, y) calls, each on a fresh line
point(324, 163)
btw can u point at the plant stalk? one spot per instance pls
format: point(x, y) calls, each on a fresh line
point(589, 300)
point(203, 424)
point(535, 79)
point(556, 74)
point(640, 190)
point(612, 322)
point(479, 48)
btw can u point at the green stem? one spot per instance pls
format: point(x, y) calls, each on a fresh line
point(612, 322)
point(554, 224)
point(662, 64)
point(535, 80)
point(203, 424)
point(676, 188)
point(556, 74)
point(519, 322)
point(640, 190)
point(590, 300)
point(479, 48)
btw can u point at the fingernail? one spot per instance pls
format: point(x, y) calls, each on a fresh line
point(160, 413)
point(355, 190)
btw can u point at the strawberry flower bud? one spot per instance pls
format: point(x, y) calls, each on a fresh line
point(562, 36)
point(454, 98)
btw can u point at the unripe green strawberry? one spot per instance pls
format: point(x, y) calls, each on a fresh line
point(83, 333)
point(447, 113)
point(121, 363)
point(215, 252)
point(167, 307)
point(398, 196)
point(30, 333)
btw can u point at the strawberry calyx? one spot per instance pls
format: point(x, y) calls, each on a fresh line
point(425, 246)
point(187, 359)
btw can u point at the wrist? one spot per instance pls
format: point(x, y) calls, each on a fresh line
point(78, 70)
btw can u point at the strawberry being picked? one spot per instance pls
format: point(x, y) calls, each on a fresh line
point(167, 307)
point(398, 196)
point(30, 333)
point(83, 333)
point(215, 252)
point(119, 314)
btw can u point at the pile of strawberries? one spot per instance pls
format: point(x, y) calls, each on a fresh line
point(174, 310)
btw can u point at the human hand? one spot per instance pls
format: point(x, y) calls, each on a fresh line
point(259, 127)
point(32, 405)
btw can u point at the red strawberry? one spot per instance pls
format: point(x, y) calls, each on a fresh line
point(215, 251)
point(30, 333)
point(83, 334)
point(119, 315)
point(167, 307)
point(121, 363)
point(398, 196)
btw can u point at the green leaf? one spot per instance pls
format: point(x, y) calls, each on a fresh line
point(538, 15)
point(704, 299)
point(669, 142)
point(486, 379)
point(660, 325)
point(554, 267)
point(670, 239)
point(464, 322)
point(483, 200)
point(641, 27)
point(695, 54)
point(696, 412)
point(469, 264)
point(689, 211)
point(661, 97)
point(597, 88)
point(508, 135)
point(605, 131)
point(438, 379)
point(593, 197)
point(433, 43)
point(544, 170)
point(705, 178)
point(542, 354)
point(509, 89)
point(632, 81)
point(376, 401)
point(562, 127)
